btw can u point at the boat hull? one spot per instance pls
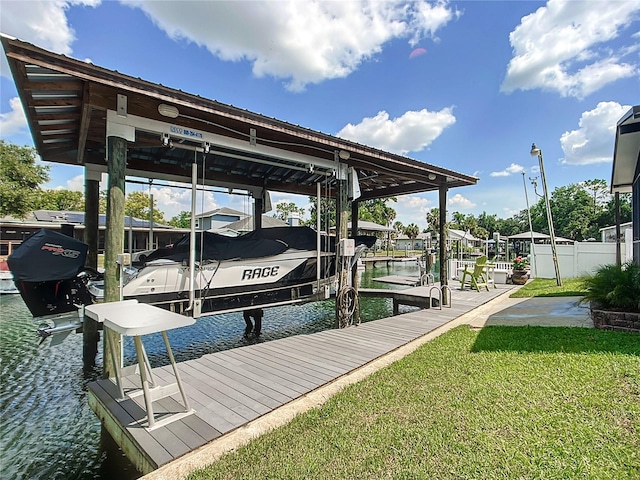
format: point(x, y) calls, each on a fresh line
point(230, 285)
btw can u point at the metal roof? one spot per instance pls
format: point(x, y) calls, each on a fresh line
point(67, 104)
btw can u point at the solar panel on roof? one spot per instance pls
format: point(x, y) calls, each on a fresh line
point(75, 217)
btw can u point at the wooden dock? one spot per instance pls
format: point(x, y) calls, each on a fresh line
point(233, 388)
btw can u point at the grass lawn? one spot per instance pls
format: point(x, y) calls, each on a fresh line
point(502, 402)
point(547, 287)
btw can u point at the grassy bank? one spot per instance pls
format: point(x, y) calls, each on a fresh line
point(502, 402)
point(547, 287)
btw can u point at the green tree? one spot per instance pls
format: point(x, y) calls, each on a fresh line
point(61, 200)
point(573, 213)
point(102, 202)
point(458, 221)
point(20, 179)
point(512, 226)
point(433, 220)
point(285, 210)
point(607, 216)
point(377, 211)
point(412, 231)
point(488, 222)
point(599, 191)
point(182, 220)
point(578, 210)
point(137, 205)
point(327, 213)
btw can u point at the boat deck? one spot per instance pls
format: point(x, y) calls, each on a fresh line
point(233, 388)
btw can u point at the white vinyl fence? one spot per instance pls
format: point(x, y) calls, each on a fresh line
point(577, 260)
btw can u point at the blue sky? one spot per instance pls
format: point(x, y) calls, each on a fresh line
point(464, 85)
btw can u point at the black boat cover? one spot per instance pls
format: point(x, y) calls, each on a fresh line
point(47, 255)
point(260, 243)
point(265, 242)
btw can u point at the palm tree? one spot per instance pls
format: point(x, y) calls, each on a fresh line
point(412, 231)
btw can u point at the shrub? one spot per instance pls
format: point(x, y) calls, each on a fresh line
point(615, 287)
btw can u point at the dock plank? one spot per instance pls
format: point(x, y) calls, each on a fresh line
point(297, 369)
point(230, 401)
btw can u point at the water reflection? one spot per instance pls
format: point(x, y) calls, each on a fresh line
point(48, 430)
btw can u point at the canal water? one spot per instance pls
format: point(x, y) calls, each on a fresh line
point(48, 431)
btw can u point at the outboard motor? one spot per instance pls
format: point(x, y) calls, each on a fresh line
point(46, 269)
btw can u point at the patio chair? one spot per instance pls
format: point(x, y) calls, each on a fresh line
point(475, 276)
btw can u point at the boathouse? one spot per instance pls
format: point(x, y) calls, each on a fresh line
point(109, 122)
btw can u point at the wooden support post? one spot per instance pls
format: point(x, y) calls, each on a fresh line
point(443, 237)
point(258, 205)
point(90, 335)
point(114, 237)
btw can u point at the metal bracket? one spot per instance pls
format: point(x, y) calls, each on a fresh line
point(121, 105)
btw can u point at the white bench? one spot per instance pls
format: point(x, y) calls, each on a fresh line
point(134, 319)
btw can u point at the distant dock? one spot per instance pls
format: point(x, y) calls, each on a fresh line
point(372, 261)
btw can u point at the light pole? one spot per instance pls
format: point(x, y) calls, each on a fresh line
point(533, 253)
point(535, 151)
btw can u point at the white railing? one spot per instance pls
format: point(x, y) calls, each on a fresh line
point(500, 272)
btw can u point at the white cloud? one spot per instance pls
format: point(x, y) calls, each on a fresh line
point(13, 121)
point(411, 132)
point(303, 41)
point(76, 184)
point(461, 203)
point(413, 202)
point(592, 141)
point(566, 46)
point(171, 200)
point(41, 22)
point(411, 209)
point(510, 170)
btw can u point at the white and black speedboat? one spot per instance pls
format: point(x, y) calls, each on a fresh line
point(266, 267)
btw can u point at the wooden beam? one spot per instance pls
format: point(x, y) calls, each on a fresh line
point(55, 102)
point(57, 86)
point(84, 124)
point(66, 117)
